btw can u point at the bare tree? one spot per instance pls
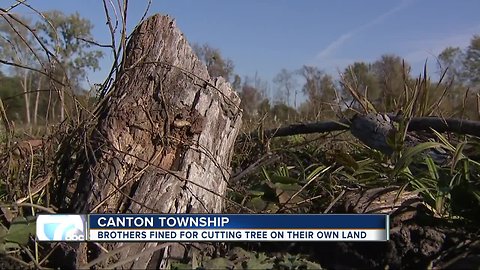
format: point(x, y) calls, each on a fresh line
point(287, 83)
point(17, 45)
point(68, 37)
point(320, 91)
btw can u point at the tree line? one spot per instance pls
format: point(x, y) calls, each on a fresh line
point(308, 93)
point(44, 66)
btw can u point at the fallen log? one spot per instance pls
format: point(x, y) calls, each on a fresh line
point(457, 125)
point(374, 129)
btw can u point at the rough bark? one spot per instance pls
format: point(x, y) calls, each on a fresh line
point(164, 139)
point(373, 130)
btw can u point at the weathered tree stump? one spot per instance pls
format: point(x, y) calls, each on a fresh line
point(163, 142)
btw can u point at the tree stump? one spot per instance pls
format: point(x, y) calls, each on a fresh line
point(163, 142)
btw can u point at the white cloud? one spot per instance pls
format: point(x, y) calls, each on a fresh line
point(336, 44)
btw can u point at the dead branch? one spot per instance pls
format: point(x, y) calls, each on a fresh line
point(456, 125)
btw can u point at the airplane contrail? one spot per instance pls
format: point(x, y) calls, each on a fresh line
point(333, 46)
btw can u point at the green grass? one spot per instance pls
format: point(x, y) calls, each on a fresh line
point(297, 174)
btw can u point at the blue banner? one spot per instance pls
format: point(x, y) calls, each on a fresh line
point(237, 221)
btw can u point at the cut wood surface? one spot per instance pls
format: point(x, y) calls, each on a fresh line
point(163, 142)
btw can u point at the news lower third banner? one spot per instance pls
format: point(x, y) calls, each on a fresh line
point(213, 227)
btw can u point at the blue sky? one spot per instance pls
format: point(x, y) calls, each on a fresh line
point(264, 36)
